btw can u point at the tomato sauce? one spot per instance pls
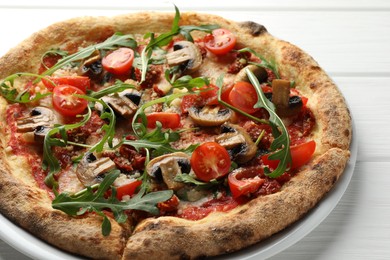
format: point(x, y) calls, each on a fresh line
point(21, 148)
point(223, 204)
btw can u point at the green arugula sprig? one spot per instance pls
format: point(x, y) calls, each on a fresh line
point(8, 91)
point(281, 144)
point(189, 179)
point(219, 84)
point(50, 162)
point(116, 40)
point(119, 86)
point(53, 52)
point(93, 199)
point(187, 81)
point(264, 62)
point(165, 38)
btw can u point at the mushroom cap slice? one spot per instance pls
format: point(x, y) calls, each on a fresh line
point(238, 143)
point(91, 168)
point(209, 115)
point(260, 73)
point(39, 116)
point(168, 166)
point(285, 105)
point(124, 103)
point(186, 54)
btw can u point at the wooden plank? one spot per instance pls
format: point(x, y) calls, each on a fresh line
point(344, 43)
point(368, 99)
point(280, 5)
point(356, 229)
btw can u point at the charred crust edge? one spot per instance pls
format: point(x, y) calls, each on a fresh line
point(255, 29)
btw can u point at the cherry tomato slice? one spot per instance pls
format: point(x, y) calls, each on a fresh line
point(244, 181)
point(220, 42)
point(243, 96)
point(210, 161)
point(119, 61)
point(300, 155)
point(168, 120)
point(188, 101)
point(209, 94)
point(81, 82)
point(66, 103)
point(127, 189)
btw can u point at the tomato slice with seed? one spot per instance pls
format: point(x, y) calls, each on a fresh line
point(119, 61)
point(210, 161)
point(244, 181)
point(81, 82)
point(243, 96)
point(300, 155)
point(220, 42)
point(66, 102)
point(168, 120)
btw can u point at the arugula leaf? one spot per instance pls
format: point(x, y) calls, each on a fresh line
point(117, 87)
point(49, 160)
point(264, 63)
point(165, 38)
point(189, 83)
point(8, 91)
point(92, 200)
point(53, 52)
point(281, 144)
point(187, 29)
point(111, 43)
point(187, 178)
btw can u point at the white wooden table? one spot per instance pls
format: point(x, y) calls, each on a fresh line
point(351, 41)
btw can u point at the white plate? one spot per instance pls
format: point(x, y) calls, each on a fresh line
point(37, 249)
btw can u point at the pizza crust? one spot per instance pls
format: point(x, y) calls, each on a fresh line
point(168, 237)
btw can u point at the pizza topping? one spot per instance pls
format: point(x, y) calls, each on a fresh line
point(124, 103)
point(285, 105)
point(93, 199)
point(209, 115)
point(187, 55)
point(119, 62)
point(38, 117)
point(220, 41)
point(66, 102)
point(91, 168)
point(237, 141)
point(166, 167)
point(300, 154)
point(245, 181)
point(210, 161)
point(166, 119)
point(259, 72)
point(243, 96)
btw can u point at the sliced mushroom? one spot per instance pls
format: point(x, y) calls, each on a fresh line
point(260, 73)
point(32, 125)
point(124, 103)
point(39, 116)
point(238, 143)
point(285, 105)
point(209, 115)
point(92, 67)
point(91, 169)
point(166, 167)
point(186, 54)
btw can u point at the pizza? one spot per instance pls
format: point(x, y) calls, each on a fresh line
point(167, 135)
